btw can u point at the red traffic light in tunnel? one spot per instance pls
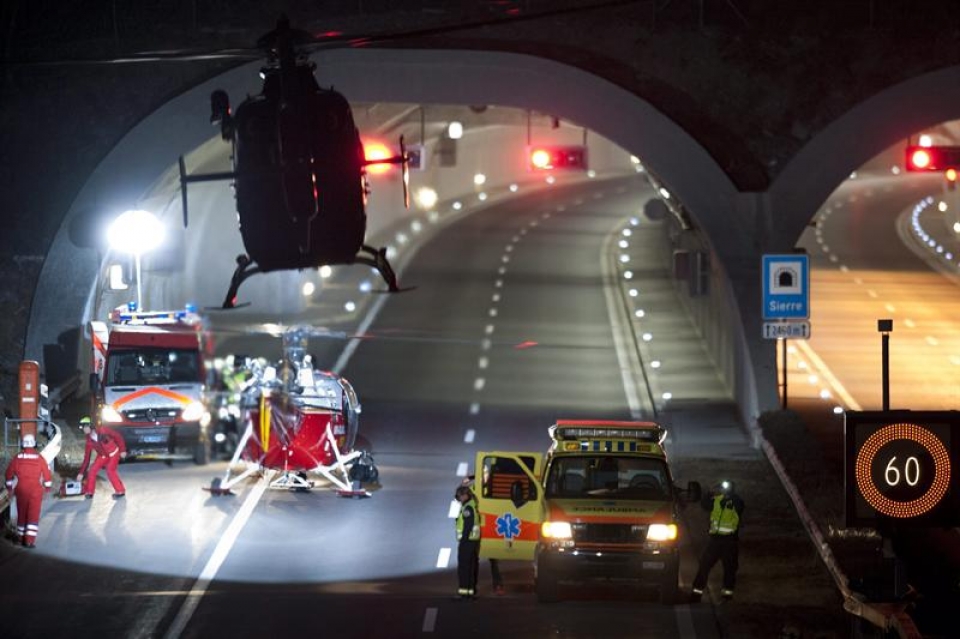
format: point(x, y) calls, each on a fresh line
point(546, 157)
point(932, 158)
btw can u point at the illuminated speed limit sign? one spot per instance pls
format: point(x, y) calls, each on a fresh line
point(900, 466)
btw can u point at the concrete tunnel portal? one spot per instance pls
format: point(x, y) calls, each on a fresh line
point(468, 78)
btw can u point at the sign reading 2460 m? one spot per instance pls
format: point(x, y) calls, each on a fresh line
point(900, 466)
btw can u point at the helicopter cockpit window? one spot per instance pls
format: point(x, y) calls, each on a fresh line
point(152, 366)
point(322, 392)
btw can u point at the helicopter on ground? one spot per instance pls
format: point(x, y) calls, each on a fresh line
point(299, 170)
point(297, 421)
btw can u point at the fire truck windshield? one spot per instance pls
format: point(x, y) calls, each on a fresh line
point(608, 476)
point(152, 366)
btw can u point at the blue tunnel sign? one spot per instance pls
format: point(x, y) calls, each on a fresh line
point(786, 287)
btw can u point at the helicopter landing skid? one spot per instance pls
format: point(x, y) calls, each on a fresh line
point(245, 268)
point(289, 480)
point(378, 260)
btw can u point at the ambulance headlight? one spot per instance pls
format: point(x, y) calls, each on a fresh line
point(194, 412)
point(110, 415)
point(556, 530)
point(662, 532)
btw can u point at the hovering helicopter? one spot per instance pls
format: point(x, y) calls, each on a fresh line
point(299, 170)
point(298, 421)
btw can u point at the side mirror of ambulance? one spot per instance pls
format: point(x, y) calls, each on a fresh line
point(94, 381)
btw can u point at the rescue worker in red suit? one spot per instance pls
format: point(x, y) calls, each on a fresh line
point(30, 473)
point(110, 449)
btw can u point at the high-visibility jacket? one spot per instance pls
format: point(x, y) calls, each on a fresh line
point(468, 520)
point(725, 515)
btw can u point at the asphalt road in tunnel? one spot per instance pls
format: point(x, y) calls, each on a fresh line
point(448, 369)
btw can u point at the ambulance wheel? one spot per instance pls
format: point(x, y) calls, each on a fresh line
point(547, 588)
point(669, 587)
point(201, 453)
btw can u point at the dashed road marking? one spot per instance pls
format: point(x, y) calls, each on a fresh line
point(471, 434)
point(443, 559)
point(479, 383)
point(430, 620)
point(462, 469)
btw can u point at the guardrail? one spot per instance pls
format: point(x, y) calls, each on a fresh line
point(887, 617)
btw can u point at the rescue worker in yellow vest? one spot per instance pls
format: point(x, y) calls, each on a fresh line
point(468, 543)
point(726, 511)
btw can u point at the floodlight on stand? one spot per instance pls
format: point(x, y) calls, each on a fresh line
point(136, 232)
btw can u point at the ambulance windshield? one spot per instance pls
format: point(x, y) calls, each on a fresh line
point(608, 476)
point(152, 366)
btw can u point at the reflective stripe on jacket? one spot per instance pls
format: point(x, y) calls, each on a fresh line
point(469, 516)
point(724, 518)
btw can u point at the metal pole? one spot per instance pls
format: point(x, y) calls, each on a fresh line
point(885, 356)
point(885, 327)
point(139, 294)
point(784, 402)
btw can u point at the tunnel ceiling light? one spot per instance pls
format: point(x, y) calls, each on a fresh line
point(426, 197)
point(455, 130)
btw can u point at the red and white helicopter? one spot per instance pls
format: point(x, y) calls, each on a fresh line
point(298, 421)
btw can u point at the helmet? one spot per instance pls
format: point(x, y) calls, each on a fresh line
point(29, 441)
point(461, 491)
point(726, 486)
point(85, 421)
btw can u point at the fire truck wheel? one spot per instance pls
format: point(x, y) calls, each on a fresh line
point(548, 590)
point(201, 453)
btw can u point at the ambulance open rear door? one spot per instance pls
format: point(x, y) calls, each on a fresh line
point(510, 498)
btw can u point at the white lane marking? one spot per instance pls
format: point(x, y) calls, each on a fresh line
point(430, 620)
point(872, 293)
point(471, 434)
point(493, 312)
point(495, 298)
point(515, 238)
point(891, 308)
point(508, 248)
point(483, 362)
point(217, 558)
point(505, 259)
point(454, 509)
point(626, 357)
point(523, 231)
point(479, 383)
point(685, 628)
point(838, 388)
point(502, 270)
point(498, 283)
point(932, 341)
point(485, 344)
point(462, 469)
point(909, 323)
point(474, 409)
point(489, 329)
point(443, 559)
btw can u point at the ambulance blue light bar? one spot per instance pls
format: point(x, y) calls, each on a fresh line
point(595, 430)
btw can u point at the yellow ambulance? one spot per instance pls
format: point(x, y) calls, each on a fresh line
point(600, 503)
